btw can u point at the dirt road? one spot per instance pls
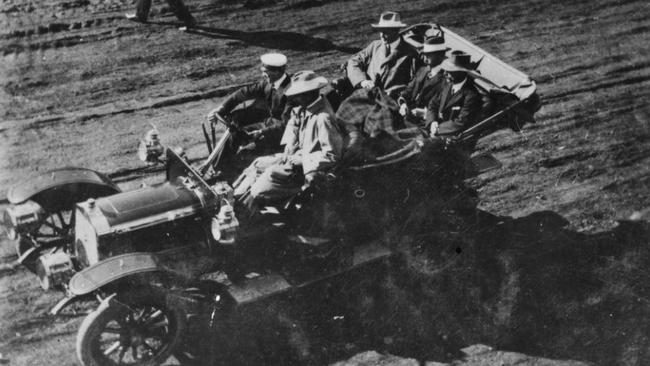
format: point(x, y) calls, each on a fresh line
point(80, 85)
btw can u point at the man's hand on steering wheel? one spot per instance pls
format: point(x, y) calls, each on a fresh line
point(213, 116)
point(255, 135)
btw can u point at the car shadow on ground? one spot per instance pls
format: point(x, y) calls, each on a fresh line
point(529, 284)
point(279, 40)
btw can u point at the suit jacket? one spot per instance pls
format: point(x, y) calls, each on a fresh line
point(468, 103)
point(262, 91)
point(314, 134)
point(389, 73)
point(422, 88)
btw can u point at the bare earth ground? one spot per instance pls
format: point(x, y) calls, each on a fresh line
point(80, 84)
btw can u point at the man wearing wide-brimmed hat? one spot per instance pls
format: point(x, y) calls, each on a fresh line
point(427, 82)
point(388, 63)
point(313, 143)
point(459, 103)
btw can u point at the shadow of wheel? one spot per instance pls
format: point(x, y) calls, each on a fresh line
point(139, 328)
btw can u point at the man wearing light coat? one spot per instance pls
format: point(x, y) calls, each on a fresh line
point(313, 144)
point(388, 63)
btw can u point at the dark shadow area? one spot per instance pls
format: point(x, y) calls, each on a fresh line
point(528, 285)
point(273, 39)
point(308, 4)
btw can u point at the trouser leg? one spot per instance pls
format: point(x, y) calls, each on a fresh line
point(243, 184)
point(181, 11)
point(278, 182)
point(142, 8)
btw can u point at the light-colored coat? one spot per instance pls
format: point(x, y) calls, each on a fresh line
point(313, 134)
point(311, 137)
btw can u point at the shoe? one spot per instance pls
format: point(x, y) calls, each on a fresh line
point(134, 18)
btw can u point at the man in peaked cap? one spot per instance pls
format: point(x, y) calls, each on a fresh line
point(427, 82)
point(262, 106)
point(313, 143)
point(459, 103)
point(388, 63)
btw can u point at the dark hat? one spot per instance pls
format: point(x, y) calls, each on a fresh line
point(459, 61)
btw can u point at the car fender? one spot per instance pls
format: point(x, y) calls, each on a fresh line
point(107, 272)
point(60, 189)
point(114, 269)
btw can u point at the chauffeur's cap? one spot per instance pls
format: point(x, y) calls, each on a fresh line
point(274, 60)
point(305, 81)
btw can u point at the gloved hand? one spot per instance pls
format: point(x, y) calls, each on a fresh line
point(255, 135)
point(403, 110)
point(367, 84)
point(419, 113)
point(294, 160)
point(433, 129)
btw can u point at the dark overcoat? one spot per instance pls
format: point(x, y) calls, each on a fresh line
point(419, 92)
point(272, 100)
point(455, 112)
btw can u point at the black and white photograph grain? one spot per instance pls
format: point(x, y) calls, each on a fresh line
point(324, 183)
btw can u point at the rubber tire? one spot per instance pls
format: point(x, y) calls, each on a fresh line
point(94, 323)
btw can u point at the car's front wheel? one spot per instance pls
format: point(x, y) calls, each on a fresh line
point(141, 328)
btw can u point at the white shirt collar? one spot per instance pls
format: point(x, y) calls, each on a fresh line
point(456, 87)
point(277, 83)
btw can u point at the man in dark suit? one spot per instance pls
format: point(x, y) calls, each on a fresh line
point(388, 63)
point(427, 81)
point(262, 106)
point(459, 103)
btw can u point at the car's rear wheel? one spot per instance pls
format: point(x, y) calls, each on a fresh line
point(141, 328)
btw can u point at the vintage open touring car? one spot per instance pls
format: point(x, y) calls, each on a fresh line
point(156, 255)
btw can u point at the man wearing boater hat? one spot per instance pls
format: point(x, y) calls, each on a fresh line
point(313, 143)
point(427, 82)
point(459, 103)
point(388, 62)
point(269, 93)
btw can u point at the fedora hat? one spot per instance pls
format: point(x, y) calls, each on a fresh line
point(389, 19)
point(304, 81)
point(459, 61)
point(434, 44)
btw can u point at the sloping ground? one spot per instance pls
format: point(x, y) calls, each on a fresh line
point(75, 76)
point(587, 157)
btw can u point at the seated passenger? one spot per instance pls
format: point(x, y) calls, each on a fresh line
point(388, 63)
point(269, 93)
point(313, 144)
point(427, 82)
point(458, 105)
